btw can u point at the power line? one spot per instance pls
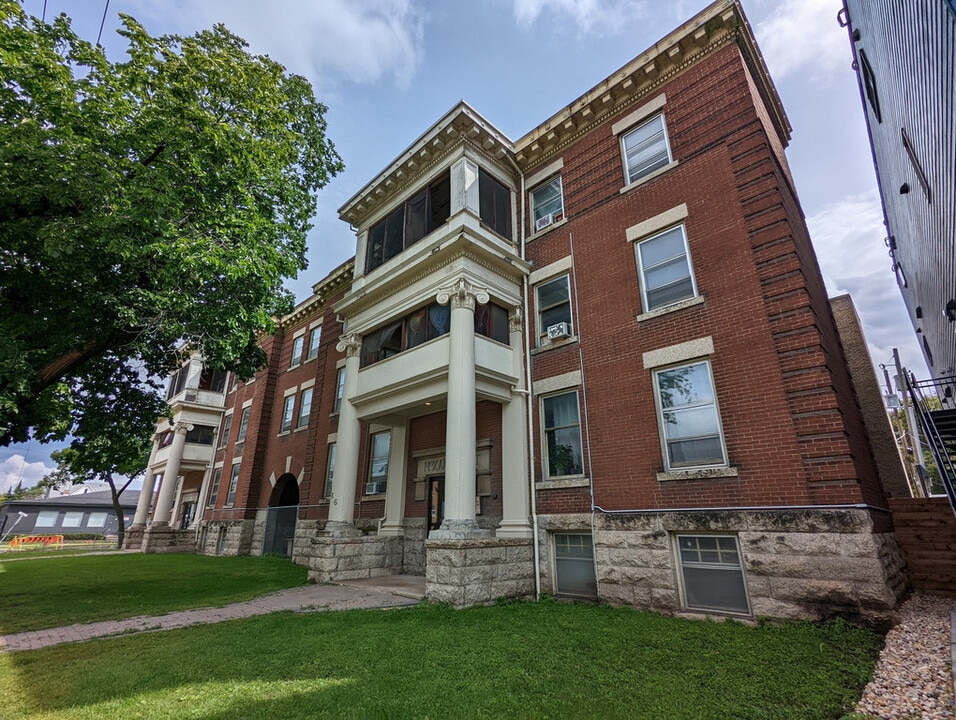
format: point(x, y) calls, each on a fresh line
point(102, 22)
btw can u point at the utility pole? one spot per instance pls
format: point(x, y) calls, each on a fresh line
point(902, 385)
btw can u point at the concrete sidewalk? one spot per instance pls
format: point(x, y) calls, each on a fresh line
point(310, 598)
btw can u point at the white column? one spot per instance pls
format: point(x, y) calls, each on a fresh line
point(460, 432)
point(514, 447)
point(146, 494)
point(348, 439)
point(395, 487)
point(167, 488)
point(203, 495)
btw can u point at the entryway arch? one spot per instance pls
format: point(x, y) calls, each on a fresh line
point(281, 516)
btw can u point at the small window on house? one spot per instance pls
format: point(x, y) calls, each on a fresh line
point(562, 430)
point(167, 439)
point(200, 435)
point(494, 203)
point(339, 389)
point(665, 270)
point(712, 573)
point(73, 519)
point(305, 408)
point(47, 518)
point(574, 565)
point(214, 490)
point(689, 421)
point(491, 321)
point(547, 204)
point(646, 148)
point(226, 427)
point(233, 484)
point(378, 467)
point(96, 520)
point(288, 407)
point(330, 471)
point(243, 424)
point(553, 302)
point(869, 86)
point(314, 338)
point(297, 345)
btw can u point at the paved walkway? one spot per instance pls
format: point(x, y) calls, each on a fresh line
point(310, 598)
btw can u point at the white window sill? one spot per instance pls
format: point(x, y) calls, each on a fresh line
point(650, 176)
point(673, 307)
point(376, 496)
point(283, 433)
point(697, 474)
point(545, 231)
point(301, 428)
point(559, 483)
point(554, 344)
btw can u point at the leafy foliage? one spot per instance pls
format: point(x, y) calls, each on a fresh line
point(145, 205)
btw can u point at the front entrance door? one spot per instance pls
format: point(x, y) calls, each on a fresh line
point(436, 502)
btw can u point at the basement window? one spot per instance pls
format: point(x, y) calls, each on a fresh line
point(574, 565)
point(712, 574)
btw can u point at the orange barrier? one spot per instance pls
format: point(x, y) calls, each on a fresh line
point(56, 541)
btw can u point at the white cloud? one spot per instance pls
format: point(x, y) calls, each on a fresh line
point(585, 16)
point(848, 238)
point(15, 469)
point(804, 36)
point(361, 41)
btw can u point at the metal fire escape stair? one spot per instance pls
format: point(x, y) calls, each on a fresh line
point(938, 427)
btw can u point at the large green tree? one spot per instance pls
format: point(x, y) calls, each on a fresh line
point(146, 205)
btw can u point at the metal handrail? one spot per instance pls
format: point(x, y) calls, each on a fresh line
point(917, 390)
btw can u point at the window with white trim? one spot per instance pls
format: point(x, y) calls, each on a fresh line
point(665, 269)
point(330, 471)
point(547, 204)
point(305, 407)
point(288, 408)
point(687, 411)
point(712, 573)
point(96, 520)
point(314, 339)
point(73, 519)
point(339, 389)
point(233, 484)
point(553, 305)
point(298, 344)
point(646, 149)
point(243, 424)
point(562, 431)
point(378, 466)
point(214, 491)
point(224, 433)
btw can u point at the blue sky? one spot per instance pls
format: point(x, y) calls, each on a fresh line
point(388, 69)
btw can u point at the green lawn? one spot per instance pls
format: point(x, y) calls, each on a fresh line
point(529, 660)
point(54, 591)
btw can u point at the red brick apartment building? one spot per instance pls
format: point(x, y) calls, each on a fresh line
point(597, 361)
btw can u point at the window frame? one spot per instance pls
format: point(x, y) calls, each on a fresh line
point(305, 408)
point(329, 470)
point(43, 518)
point(226, 428)
point(628, 179)
point(543, 339)
point(717, 566)
point(559, 539)
point(298, 347)
point(372, 478)
point(669, 465)
point(233, 485)
point(243, 424)
point(534, 203)
point(492, 191)
point(545, 446)
point(315, 339)
point(339, 390)
point(288, 413)
point(72, 519)
point(641, 270)
point(214, 488)
point(92, 521)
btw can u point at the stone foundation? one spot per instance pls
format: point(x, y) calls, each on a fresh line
point(168, 540)
point(814, 564)
point(474, 572)
point(333, 559)
point(226, 537)
point(133, 539)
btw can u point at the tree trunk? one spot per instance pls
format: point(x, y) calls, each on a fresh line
point(118, 509)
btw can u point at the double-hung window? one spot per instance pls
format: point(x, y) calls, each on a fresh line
point(553, 302)
point(690, 424)
point(305, 407)
point(243, 424)
point(330, 471)
point(214, 490)
point(665, 269)
point(712, 574)
point(339, 389)
point(378, 467)
point(547, 204)
point(233, 484)
point(297, 345)
point(562, 430)
point(226, 427)
point(494, 203)
point(646, 148)
point(314, 338)
point(288, 407)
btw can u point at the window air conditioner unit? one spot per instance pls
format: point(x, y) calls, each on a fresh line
point(373, 488)
point(559, 330)
point(542, 222)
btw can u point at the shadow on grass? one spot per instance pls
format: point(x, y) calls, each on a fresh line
point(525, 660)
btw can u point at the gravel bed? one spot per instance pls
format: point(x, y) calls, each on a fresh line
point(914, 675)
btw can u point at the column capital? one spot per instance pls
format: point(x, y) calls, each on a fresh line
point(462, 295)
point(349, 344)
point(182, 428)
